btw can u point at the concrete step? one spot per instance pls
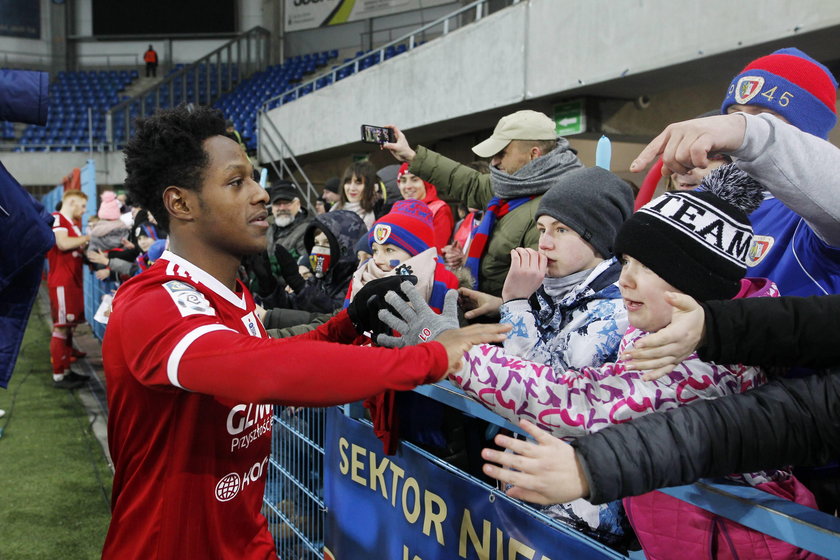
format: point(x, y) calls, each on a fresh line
point(141, 84)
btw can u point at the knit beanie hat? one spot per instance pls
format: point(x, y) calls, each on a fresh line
point(408, 226)
point(109, 208)
point(792, 84)
point(332, 184)
point(363, 244)
point(697, 241)
point(592, 202)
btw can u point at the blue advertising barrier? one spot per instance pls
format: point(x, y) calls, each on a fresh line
point(413, 506)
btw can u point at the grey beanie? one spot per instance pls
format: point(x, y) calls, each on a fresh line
point(591, 201)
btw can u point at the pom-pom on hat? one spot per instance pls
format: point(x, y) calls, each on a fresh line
point(697, 241)
point(408, 226)
point(109, 207)
point(591, 201)
point(792, 84)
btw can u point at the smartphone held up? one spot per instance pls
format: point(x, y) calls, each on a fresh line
point(377, 134)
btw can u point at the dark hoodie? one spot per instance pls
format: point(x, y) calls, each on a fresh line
point(343, 229)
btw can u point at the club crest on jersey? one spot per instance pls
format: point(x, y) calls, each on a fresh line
point(381, 233)
point(188, 300)
point(761, 245)
point(747, 88)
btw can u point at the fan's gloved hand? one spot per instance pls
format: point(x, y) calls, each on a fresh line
point(364, 309)
point(415, 320)
point(288, 268)
point(263, 283)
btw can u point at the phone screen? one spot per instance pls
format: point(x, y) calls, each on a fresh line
point(376, 134)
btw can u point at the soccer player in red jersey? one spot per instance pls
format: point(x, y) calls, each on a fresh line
point(64, 279)
point(191, 375)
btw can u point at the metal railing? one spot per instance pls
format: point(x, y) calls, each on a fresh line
point(447, 23)
point(278, 152)
point(273, 148)
point(224, 68)
point(297, 510)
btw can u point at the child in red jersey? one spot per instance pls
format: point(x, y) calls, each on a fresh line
point(191, 375)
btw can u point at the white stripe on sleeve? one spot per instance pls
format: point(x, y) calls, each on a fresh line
point(178, 352)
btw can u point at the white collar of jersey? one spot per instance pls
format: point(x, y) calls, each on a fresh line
point(179, 266)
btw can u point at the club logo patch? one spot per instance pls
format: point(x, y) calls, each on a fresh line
point(747, 88)
point(250, 322)
point(761, 245)
point(188, 300)
point(381, 233)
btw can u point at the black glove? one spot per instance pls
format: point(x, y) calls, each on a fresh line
point(364, 309)
point(259, 268)
point(288, 268)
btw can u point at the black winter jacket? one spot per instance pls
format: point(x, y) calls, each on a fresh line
point(789, 421)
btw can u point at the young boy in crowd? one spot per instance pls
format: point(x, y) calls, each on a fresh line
point(413, 187)
point(797, 227)
point(563, 301)
point(691, 242)
point(402, 244)
point(191, 375)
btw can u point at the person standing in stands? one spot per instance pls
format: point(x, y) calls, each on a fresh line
point(191, 374)
point(67, 298)
point(413, 187)
point(150, 57)
point(526, 158)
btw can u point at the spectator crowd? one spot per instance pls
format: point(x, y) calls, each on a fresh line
point(679, 341)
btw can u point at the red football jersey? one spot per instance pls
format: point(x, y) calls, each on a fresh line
point(65, 266)
point(189, 464)
point(189, 467)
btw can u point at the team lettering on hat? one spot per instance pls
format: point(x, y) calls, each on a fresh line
point(699, 219)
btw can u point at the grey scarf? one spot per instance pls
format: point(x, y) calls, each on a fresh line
point(537, 176)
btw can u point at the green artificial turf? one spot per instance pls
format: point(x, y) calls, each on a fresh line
point(56, 482)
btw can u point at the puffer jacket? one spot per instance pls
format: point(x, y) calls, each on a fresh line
point(516, 229)
point(25, 235)
point(582, 328)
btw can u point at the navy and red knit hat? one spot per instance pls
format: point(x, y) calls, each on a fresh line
point(792, 84)
point(408, 226)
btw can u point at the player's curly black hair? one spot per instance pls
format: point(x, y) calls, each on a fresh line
point(167, 149)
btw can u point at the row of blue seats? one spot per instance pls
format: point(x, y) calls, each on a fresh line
point(86, 74)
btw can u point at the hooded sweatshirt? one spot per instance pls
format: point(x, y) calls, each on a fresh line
point(326, 294)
